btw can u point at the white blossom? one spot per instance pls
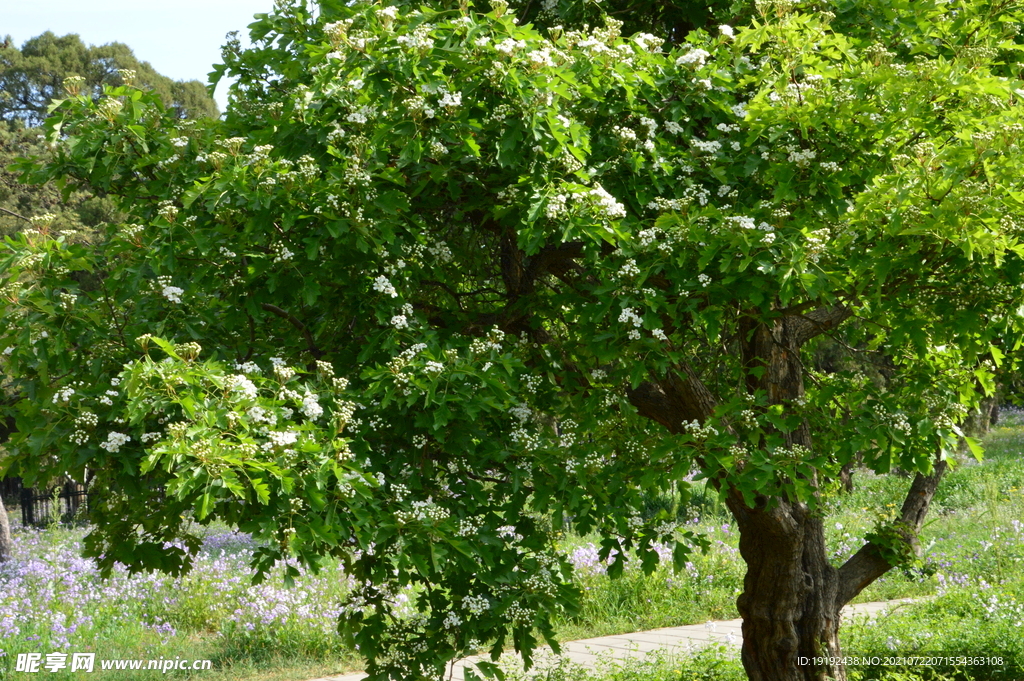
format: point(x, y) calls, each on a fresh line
point(172, 293)
point(246, 388)
point(114, 441)
point(611, 208)
point(283, 438)
point(311, 408)
point(382, 284)
point(694, 56)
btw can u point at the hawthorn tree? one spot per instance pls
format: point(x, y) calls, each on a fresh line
point(442, 283)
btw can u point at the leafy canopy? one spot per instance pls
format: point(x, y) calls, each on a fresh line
point(405, 305)
point(34, 75)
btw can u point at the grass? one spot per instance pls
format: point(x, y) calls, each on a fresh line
point(51, 600)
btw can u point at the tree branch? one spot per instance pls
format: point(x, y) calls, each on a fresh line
point(678, 398)
point(313, 349)
point(867, 564)
point(816, 322)
point(11, 212)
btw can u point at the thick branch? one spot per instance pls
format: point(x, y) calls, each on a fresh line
point(678, 398)
point(313, 349)
point(816, 322)
point(867, 564)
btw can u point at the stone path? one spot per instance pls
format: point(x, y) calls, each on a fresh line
point(673, 640)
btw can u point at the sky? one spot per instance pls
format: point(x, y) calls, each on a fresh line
point(180, 38)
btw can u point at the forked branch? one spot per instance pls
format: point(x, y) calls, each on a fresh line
point(868, 564)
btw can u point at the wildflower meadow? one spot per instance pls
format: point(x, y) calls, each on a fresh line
point(970, 580)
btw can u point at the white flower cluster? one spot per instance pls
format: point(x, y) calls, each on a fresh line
point(84, 422)
point(557, 206)
point(336, 31)
point(519, 615)
point(663, 204)
point(629, 316)
point(451, 100)
point(674, 127)
point(704, 279)
point(695, 56)
point(897, 421)
point(700, 432)
point(433, 367)
point(625, 134)
point(422, 511)
point(542, 57)
point(360, 115)
point(130, 231)
point(258, 414)
point(541, 582)
point(247, 367)
point(406, 356)
point(532, 382)
point(260, 154)
point(816, 243)
point(468, 527)
point(802, 157)
point(419, 39)
point(475, 604)
point(63, 395)
point(114, 441)
point(647, 236)
point(451, 620)
point(281, 252)
point(171, 293)
point(509, 532)
point(606, 203)
point(707, 146)
point(390, 12)
point(281, 438)
point(240, 384)
point(521, 412)
point(343, 412)
point(418, 105)
point(281, 370)
point(383, 285)
point(648, 42)
point(311, 408)
point(744, 222)
point(509, 45)
point(493, 341)
point(106, 398)
point(629, 269)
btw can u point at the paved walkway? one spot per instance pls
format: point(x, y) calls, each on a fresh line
point(673, 640)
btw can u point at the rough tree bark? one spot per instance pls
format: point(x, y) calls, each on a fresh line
point(6, 545)
point(792, 595)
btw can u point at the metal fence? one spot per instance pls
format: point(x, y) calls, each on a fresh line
point(60, 504)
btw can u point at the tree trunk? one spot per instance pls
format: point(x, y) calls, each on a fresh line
point(792, 595)
point(6, 546)
point(789, 603)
